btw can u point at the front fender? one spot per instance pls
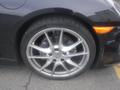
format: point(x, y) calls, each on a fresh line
point(95, 10)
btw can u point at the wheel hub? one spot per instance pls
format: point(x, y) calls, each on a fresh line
point(57, 55)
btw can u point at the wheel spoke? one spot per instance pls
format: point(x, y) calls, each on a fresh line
point(76, 54)
point(70, 62)
point(44, 50)
point(62, 64)
point(46, 64)
point(49, 41)
point(38, 57)
point(54, 67)
point(68, 48)
point(61, 38)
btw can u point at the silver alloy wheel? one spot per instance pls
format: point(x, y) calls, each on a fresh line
point(57, 52)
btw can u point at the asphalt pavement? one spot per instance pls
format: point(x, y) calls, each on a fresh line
point(18, 77)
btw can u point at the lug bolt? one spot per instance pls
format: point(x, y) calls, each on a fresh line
point(62, 60)
point(64, 53)
point(50, 54)
point(54, 60)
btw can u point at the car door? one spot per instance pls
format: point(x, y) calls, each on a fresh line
point(8, 19)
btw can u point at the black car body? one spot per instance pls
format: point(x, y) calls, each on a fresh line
point(17, 15)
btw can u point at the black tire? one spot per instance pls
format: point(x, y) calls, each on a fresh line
point(59, 21)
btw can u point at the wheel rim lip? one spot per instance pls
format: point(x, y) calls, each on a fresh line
point(75, 70)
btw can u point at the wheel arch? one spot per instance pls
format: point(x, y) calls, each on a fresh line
point(37, 15)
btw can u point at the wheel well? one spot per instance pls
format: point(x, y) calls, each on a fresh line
point(27, 24)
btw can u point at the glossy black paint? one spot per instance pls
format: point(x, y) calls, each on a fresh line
point(109, 48)
point(17, 15)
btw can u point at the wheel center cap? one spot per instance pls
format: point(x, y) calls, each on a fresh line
point(57, 55)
